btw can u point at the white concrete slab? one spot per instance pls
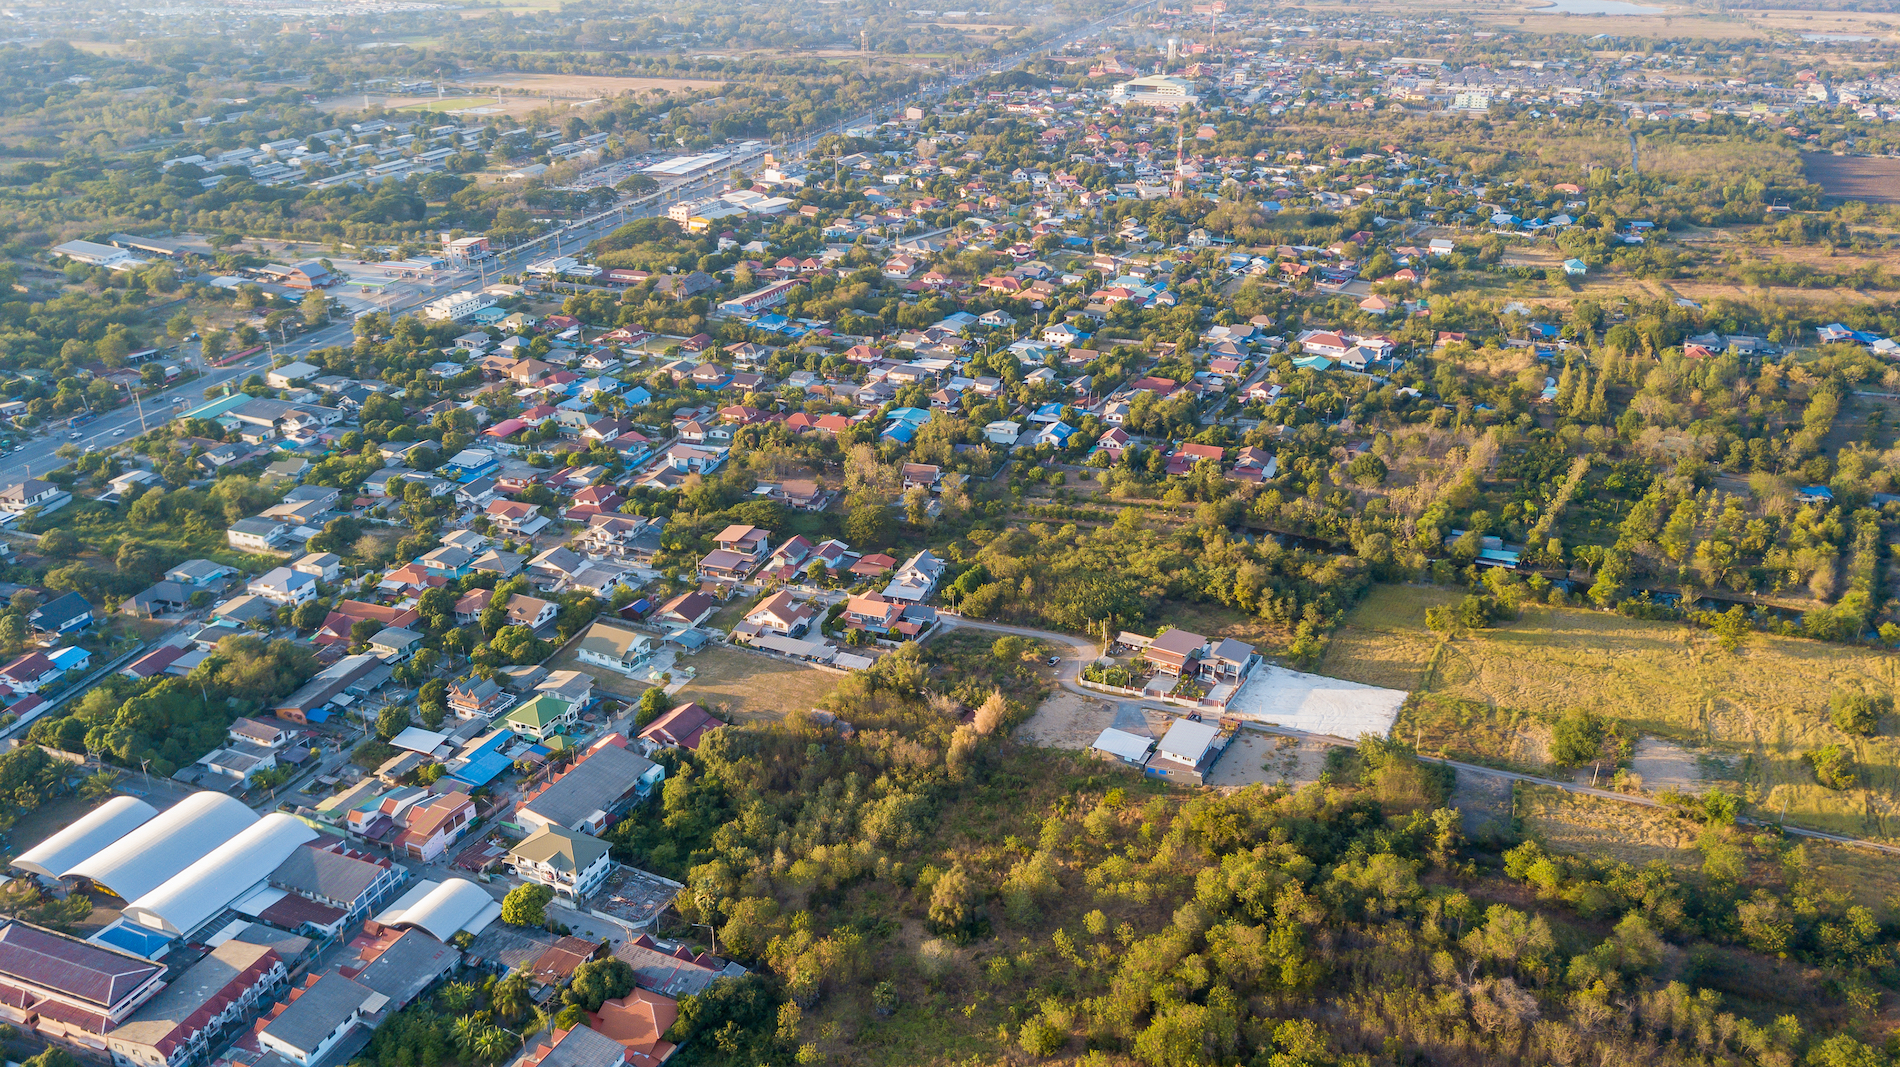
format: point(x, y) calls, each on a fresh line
point(1316, 703)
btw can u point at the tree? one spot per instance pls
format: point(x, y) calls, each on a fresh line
point(391, 721)
point(599, 981)
point(1009, 649)
point(99, 785)
point(953, 903)
point(1576, 739)
point(1857, 713)
point(653, 703)
point(12, 633)
point(869, 527)
point(526, 905)
point(315, 308)
point(1833, 766)
point(59, 543)
point(309, 615)
point(1366, 470)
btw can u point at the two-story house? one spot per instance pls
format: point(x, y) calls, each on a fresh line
point(572, 864)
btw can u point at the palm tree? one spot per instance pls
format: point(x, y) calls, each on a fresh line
point(465, 1030)
point(494, 1043)
point(511, 999)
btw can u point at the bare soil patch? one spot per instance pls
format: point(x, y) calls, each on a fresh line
point(1662, 765)
point(1069, 720)
point(1867, 178)
point(1255, 757)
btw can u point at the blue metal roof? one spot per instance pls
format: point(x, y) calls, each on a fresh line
point(483, 769)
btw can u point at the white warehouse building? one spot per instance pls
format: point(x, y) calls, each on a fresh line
point(103, 825)
point(443, 909)
point(157, 850)
point(232, 870)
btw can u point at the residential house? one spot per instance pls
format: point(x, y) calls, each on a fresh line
point(29, 673)
point(597, 787)
point(1227, 661)
point(201, 574)
point(687, 609)
point(916, 579)
point(256, 534)
point(65, 614)
point(572, 864)
point(1176, 651)
point(516, 517)
point(779, 614)
point(323, 566)
point(434, 825)
point(681, 727)
point(478, 698)
point(281, 585)
point(638, 1022)
point(615, 647)
point(875, 614)
point(541, 716)
point(24, 496)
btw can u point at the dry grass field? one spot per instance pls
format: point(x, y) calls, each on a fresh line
point(1491, 695)
point(519, 94)
point(750, 687)
point(1587, 825)
point(1592, 826)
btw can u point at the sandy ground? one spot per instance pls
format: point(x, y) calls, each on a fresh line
point(1255, 757)
point(1662, 765)
point(1066, 720)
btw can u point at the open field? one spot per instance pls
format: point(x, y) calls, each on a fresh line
point(1491, 697)
point(749, 687)
point(1069, 720)
point(1868, 178)
point(519, 94)
point(572, 86)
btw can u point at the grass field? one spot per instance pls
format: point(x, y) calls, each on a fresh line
point(746, 686)
point(1491, 696)
point(448, 103)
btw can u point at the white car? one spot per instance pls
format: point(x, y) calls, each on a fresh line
point(119, 432)
point(74, 436)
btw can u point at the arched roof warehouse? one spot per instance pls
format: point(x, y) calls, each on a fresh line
point(443, 910)
point(84, 839)
point(180, 836)
point(199, 892)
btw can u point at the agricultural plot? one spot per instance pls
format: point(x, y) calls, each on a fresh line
point(1746, 717)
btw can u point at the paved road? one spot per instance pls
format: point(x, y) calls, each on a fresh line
point(1083, 652)
point(36, 457)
